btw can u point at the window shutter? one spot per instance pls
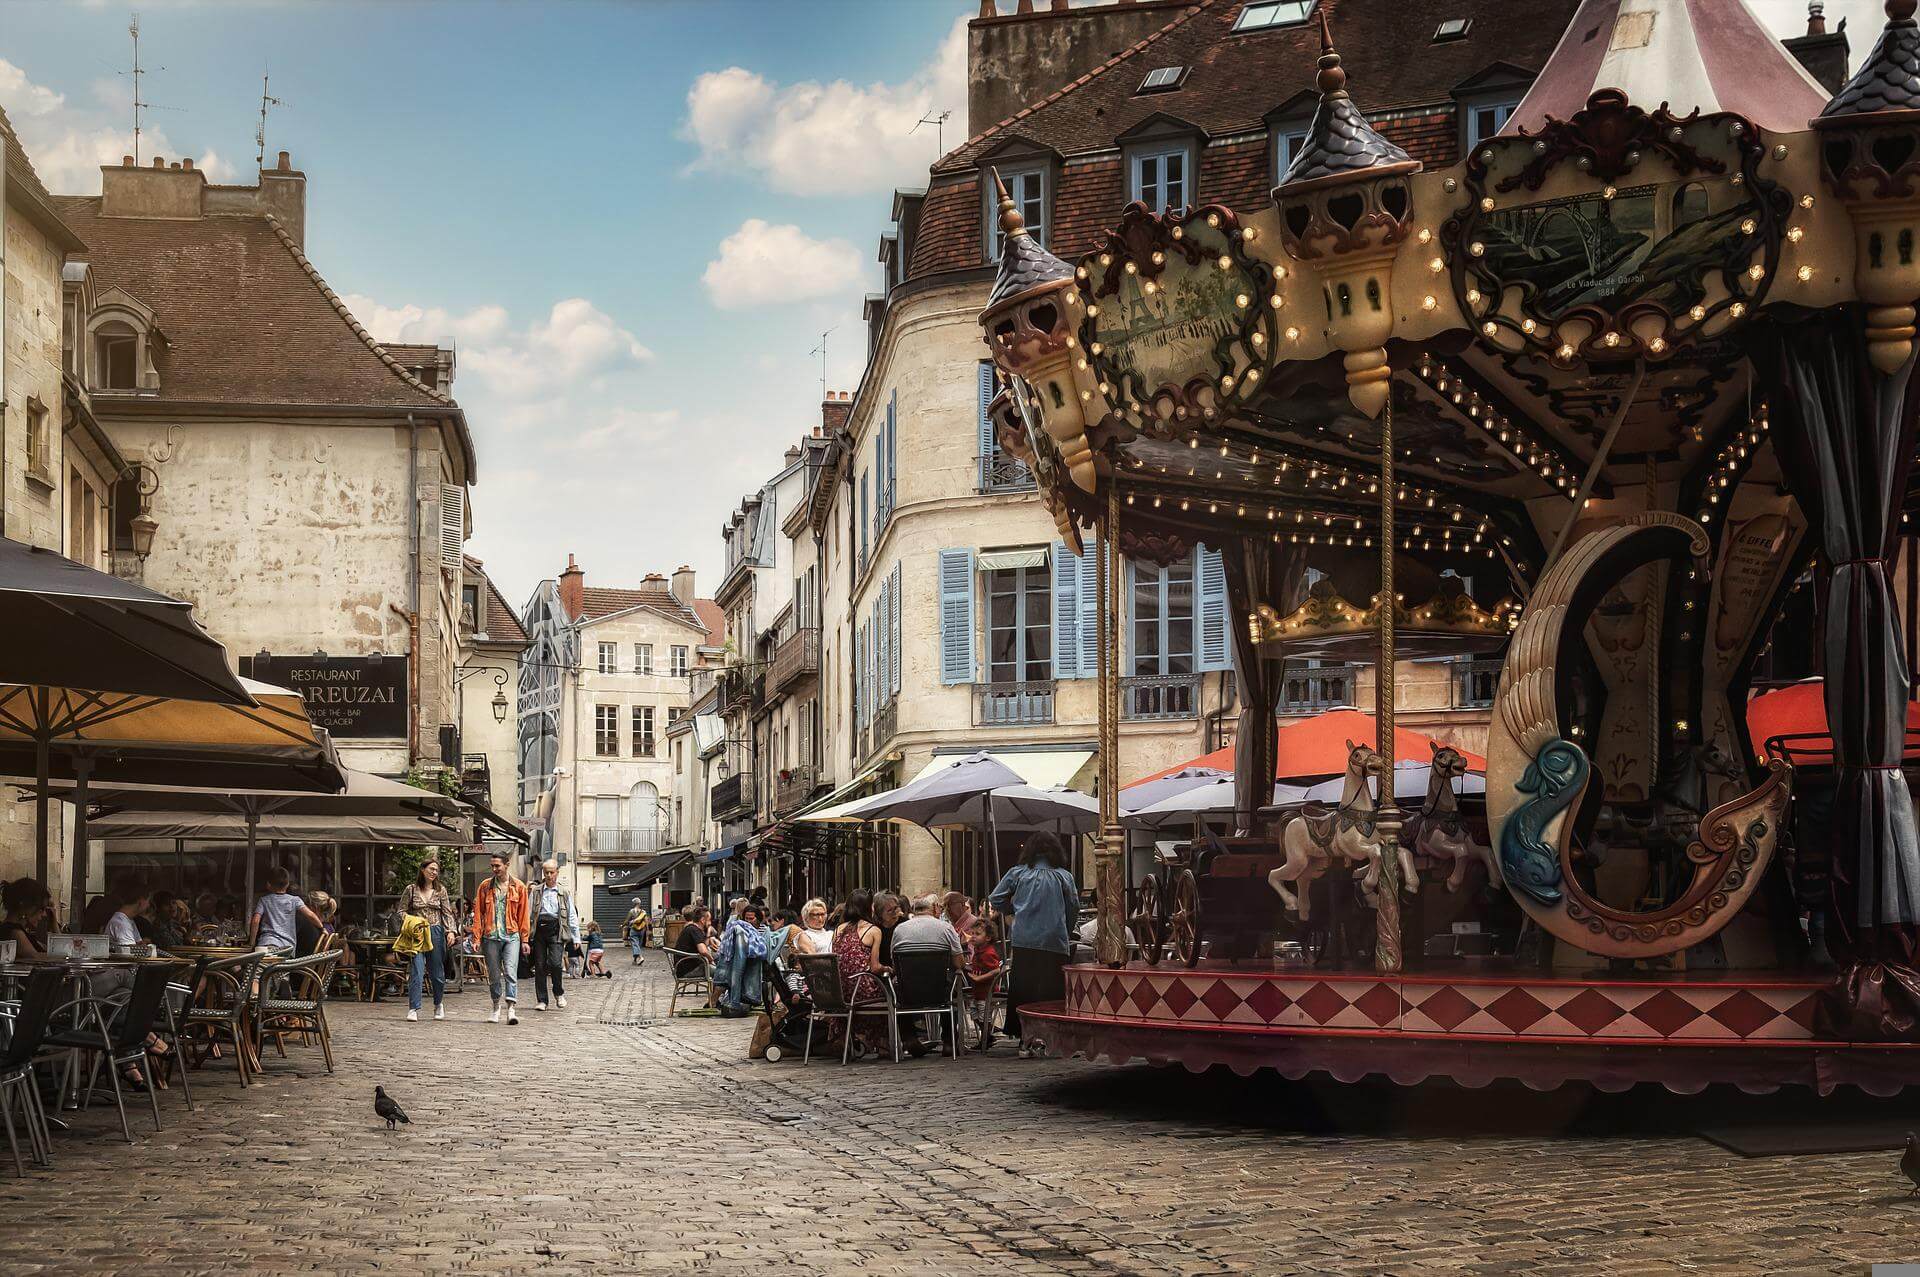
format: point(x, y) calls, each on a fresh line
point(956, 616)
point(1067, 571)
point(894, 623)
point(985, 379)
point(893, 448)
point(1126, 615)
point(453, 524)
point(1215, 651)
point(883, 649)
point(1093, 567)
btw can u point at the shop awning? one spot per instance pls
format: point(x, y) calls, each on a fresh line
point(621, 879)
point(1041, 768)
point(833, 806)
point(722, 853)
point(999, 560)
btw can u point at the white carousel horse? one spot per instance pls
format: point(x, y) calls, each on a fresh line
point(1438, 830)
point(1314, 839)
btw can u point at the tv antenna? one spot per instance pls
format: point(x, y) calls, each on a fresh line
point(260, 133)
point(821, 350)
point(140, 104)
point(939, 123)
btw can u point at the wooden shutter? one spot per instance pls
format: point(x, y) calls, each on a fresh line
point(893, 449)
point(1213, 648)
point(894, 622)
point(1093, 567)
point(1066, 613)
point(956, 616)
point(984, 377)
point(453, 524)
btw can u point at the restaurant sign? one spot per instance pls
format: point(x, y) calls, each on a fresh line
point(350, 696)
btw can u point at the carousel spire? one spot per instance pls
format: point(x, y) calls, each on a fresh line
point(1889, 79)
point(1340, 142)
point(1024, 264)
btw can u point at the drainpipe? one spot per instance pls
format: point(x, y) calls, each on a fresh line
point(412, 614)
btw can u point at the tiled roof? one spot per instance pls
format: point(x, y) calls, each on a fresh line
point(599, 601)
point(1340, 141)
point(503, 624)
point(21, 180)
point(247, 318)
point(1024, 263)
point(714, 619)
point(1889, 79)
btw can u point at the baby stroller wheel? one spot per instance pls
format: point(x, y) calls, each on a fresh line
point(774, 1054)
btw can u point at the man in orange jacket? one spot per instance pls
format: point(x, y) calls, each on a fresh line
point(500, 927)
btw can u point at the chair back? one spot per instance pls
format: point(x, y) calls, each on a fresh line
point(923, 978)
point(37, 1001)
point(241, 970)
point(136, 1019)
point(312, 991)
point(822, 974)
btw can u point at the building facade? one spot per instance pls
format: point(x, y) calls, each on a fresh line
point(493, 644)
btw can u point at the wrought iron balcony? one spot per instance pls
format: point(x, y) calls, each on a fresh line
point(741, 687)
point(797, 657)
point(1475, 682)
point(886, 721)
point(602, 839)
point(1146, 697)
point(1308, 690)
point(733, 794)
point(1001, 704)
point(792, 787)
point(1002, 472)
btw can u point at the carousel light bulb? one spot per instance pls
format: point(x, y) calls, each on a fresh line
point(1259, 339)
point(1490, 328)
point(1156, 503)
point(1150, 288)
point(1092, 309)
point(1079, 272)
point(1473, 297)
point(1193, 441)
point(1226, 383)
point(1132, 269)
point(1213, 219)
point(1527, 325)
point(1806, 201)
point(1657, 345)
point(1611, 339)
point(1746, 226)
point(1429, 302)
point(1279, 272)
point(1756, 271)
point(1106, 259)
point(1095, 347)
point(1241, 300)
point(1082, 363)
point(1159, 258)
point(1276, 301)
point(1253, 374)
point(1179, 232)
point(1129, 498)
point(1425, 236)
point(1213, 507)
point(1183, 503)
point(1293, 334)
point(1804, 274)
point(1795, 234)
point(1436, 265)
point(1086, 395)
point(1737, 309)
point(1565, 352)
point(1477, 248)
point(1608, 193)
point(1486, 203)
point(1225, 262)
point(1698, 313)
point(1247, 235)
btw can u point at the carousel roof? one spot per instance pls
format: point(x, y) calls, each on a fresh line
point(1889, 79)
point(1024, 263)
point(1340, 142)
point(1713, 55)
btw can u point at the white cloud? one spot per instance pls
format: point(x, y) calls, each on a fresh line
point(21, 96)
point(837, 138)
point(762, 265)
point(410, 323)
point(577, 341)
point(67, 143)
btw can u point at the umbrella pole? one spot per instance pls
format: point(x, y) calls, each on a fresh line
point(43, 768)
point(82, 769)
point(253, 835)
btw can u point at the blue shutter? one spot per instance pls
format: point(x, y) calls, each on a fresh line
point(1125, 604)
point(1066, 613)
point(893, 622)
point(882, 609)
point(866, 519)
point(956, 616)
point(1093, 568)
point(985, 378)
point(893, 449)
point(1214, 648)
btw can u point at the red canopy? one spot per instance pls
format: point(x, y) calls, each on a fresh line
point(1318, 747)
point(1801, 710)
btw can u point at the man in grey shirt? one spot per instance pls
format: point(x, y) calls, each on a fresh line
point(927, 932)
point(274, 914)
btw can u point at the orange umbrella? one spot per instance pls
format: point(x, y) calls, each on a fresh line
point(1801, 710)
point(1318, 747)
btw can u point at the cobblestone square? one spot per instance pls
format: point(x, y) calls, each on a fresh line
point(607, 1137)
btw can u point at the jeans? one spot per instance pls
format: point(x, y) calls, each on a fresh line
point(503, 966)
point(434, 961)
point(637, 942)
point(549, 957)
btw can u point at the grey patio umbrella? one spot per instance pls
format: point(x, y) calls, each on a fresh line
point(941, 797)
point(1149, 792)
point(1410, 781)
point(1060, 809)
point(1213, 798)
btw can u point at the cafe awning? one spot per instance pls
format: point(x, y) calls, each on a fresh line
point(722, 853)
point(371, 809)
point(622, 879)
point(834, 806)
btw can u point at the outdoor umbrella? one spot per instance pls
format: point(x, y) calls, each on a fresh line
point(1410, 781)
point(1063, 810)
point(942, 797)
point(1799, 713)
point(1212, 798)
point(1148, 792)
point(1317, 747)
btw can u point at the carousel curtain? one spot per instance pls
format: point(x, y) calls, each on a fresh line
point(1258, 571)
point(1846, 435)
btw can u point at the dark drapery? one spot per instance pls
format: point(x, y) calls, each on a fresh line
point(1846, 437)
point(1258, 571)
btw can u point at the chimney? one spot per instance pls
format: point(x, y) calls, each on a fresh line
point(683, 585)
point(1816, 17)
point(1020, 57)
point(835, 409)
point(177, 193)
point(283, 193)
point(1822, 51)
point(573, 590)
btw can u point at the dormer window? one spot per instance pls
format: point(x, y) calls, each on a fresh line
point(120, 335)
point(1161, 80)
point(1263, 15)
point(1161, 176)
point(1028, 187)
point(117, 357)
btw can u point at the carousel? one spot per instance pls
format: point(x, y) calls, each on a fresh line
point(1591, 400)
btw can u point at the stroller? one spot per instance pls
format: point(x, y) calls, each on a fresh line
point(787, 1008)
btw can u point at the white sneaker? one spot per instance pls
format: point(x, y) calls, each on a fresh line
point(561, 1003)
point(439, 1013)
point(413, 1017)
point(539, 1006)
point(512, 1017)
point(495, 1017)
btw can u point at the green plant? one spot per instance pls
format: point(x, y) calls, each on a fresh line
point(403, 863)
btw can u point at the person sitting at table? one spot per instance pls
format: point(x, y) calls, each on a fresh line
point(167, 920)
point(889, 910)
point(29, 916)
point(129, 902)
point(273, 924)
point(307, 935)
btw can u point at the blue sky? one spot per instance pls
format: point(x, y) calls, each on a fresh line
point(634, 220)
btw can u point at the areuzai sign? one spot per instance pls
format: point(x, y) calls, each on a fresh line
point(349, 696)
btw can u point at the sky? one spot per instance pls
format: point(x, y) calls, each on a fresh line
point(634, 221)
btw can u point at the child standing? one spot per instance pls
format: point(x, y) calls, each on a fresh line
point(596, 951)
point(273, 926)
point(983, 970)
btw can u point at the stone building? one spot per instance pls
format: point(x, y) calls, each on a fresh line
point(607, 673)
point(486, 684)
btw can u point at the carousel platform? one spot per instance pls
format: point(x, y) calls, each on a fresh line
point(1472, 1025)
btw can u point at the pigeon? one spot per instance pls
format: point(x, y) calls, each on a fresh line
point(1910, 1162)
point(383, 1105)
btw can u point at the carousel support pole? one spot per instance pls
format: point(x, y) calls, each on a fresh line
point(1110, 858)
point(1386, 944)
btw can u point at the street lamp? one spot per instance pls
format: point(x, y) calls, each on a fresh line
point(142, 527)
point(500, 706)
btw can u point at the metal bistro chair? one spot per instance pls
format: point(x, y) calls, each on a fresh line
point(348, 972)
point(694, 981)
point(925, 983)
point(179, 997)
point(222, 1003)
point(873, 996)
point(30, 1021)
point(283, 1010)
point(114, 1030)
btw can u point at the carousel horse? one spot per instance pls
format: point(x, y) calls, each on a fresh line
point(1438, 830)
point(1313, 839)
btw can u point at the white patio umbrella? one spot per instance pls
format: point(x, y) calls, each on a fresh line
point(1410, 781)
point(1148, 792)
point(1213, 798)
point(942, 797)
point(1063, 810)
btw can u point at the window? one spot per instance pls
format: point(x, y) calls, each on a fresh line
point(675, 713)
point(1160, 177)
point(606, 731)
point(643, 731)
point(1452, 29)
point(678, 655)
point(643, 658)
point(609, 661)
point(1163, 618)
point(39, 443)
point(1028, 189)
point(470, 605)
point(117, 357)
point(1019, 625)
point(1289, 137)
point(1162, 80)
point(1260, 15)
point(1486, 119)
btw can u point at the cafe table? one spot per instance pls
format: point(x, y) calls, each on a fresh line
point(81, 974)
point(366, 953)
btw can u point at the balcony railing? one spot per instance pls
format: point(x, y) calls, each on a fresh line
point(733, 794)
point(1001, 704)
point(740, 687)
point(1475, 682)
point(1145, 697)
point(1002, 472)
point(797, 657)
point(612, 838)
point(792, 786)
point(1310, 690)
point(886, 721)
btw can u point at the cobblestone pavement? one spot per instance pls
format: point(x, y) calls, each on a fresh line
point(608, 1136)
